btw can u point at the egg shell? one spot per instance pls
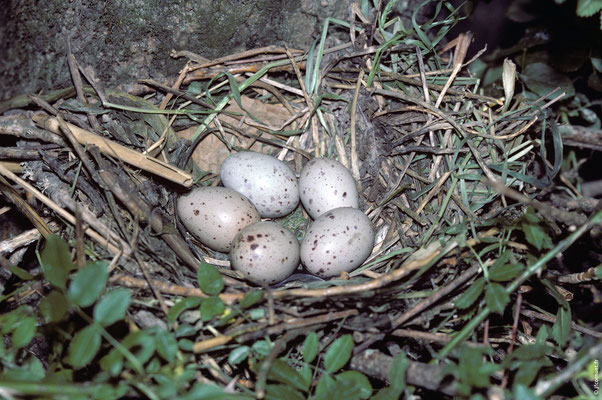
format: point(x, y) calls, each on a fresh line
point(214, 215)
point(325, 184)
point(265, 252)
point(339, 240)
point(268, 182)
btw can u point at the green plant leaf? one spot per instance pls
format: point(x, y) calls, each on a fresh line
point(310, 347)
point(88, 283)
point(524, 393)
point(54, 306)
point(56, 261)
point(281, 392)
point(472, 293)
point(338, 353)
point(541, 79)
point(284, 373)
point(388, 393)
point(262, 347)
point(397, 373)
point(141, 344)
point(167, 345)
point(24, 332)
point(112, 363)
point(209, 279)
point(496, 297)
point(323, 387)
point(587, 8)
point(211, 307)
point(238, 355)
point(84, 346)
point(562, 327)
point(112, 307)
point(504, 273)
point(534, 234)
point(251, 298)
point(181, 306)
point(21, 273)
point(363, 388)
point(527, 372)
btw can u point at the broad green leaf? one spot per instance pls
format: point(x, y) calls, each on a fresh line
point(167, 345)
point(112, 307)
point(56, 261)
point(325, 382)
point(21, 273)
point(141, 344)
point(181, 306)
point(534, 234)
point(562, 327)
point(284, 373)
point(530, 352)
point(30, 370)
point(209, 279)
point(307, 373)
point(358, 379)
point(112, 363)
point(541, 79)
point(527, 372)
point(211, 307)
point(338, 353)
point(262, 347)
point(587, 8)
point(504, 273)
point(343, 389)
point(84, 346)
point(310, 347)
point(524, 393)
point(88, 283)
point(496, 297)
point(282, 392)
point(53, 306)
point(397, 373)
point(238, 355)
point(542, 335)
point(472, 293)
point(24, 332)
point(207, 391)
point(388, 393)
point(251, 298)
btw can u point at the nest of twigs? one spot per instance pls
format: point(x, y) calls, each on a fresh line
point(445, 175)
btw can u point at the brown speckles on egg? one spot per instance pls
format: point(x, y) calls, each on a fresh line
point(274, 252)
point(264, 179)
point(340, 249)
point(329, 185)
point(215, 214)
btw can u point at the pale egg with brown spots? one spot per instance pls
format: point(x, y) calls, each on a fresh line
point(265, 253)
point(214, 215)
point(325, 184)
point(268, 182)
point(339, 240)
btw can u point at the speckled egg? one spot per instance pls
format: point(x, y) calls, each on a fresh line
point(325, 184)
point(339, 240)
point(265, 252)
point(214, 215)
point(268, 182)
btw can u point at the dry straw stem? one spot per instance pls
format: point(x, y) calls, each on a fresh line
point(116, 150)
point(105, 242)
